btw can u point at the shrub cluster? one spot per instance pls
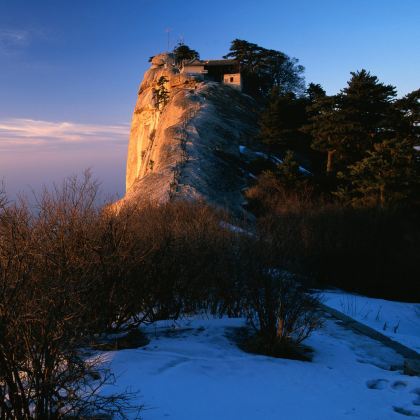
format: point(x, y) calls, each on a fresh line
point(51, 268)
point(371, 251)
point(71, 272)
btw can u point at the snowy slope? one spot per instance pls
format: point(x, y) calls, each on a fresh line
point(196, 373)
point(399, 321)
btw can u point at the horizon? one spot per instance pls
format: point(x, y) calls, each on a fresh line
point(70, 72)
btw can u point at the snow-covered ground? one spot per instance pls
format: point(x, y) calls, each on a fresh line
point(195, 372)
point(399, 321)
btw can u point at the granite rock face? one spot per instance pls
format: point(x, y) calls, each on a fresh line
point(188, 146)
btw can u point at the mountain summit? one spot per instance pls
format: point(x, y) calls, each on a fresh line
point(186, 132)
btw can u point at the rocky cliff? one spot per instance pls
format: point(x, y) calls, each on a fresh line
point(185, 139)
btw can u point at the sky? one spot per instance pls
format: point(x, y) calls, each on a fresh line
point(70, 70)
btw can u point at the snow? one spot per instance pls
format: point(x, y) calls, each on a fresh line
point(273, 158)
point(304, 171)
point(235, 229)
point(193, 371)
point(397, 320)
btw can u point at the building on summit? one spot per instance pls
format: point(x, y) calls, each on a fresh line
point(222, 71)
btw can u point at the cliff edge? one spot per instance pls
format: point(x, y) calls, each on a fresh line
point(185, 139)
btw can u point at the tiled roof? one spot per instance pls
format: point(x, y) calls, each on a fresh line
point(220, 62)
point(211, 63)
point(194, 63)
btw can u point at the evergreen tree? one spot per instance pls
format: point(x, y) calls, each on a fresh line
point(282, 189)
point(281, 121)
point(314, 92)
point(269, 121)
point(347, 125)
point(183, 52)
point(366, 114)
point(324, 128)
point(289, 171)
point(247, 53)
point(263, 69)
point(279, 70)
point(389, 174)
point(408, 109)
point(161, 93)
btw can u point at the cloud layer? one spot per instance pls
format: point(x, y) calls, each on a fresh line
point(12, 39)
point(26, 134)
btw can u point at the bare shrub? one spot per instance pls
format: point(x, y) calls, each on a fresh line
point(190, 260)
point(371, 251)
point(71, 271)
point(278, 306)
point(359, 249)
point(271, 195)
point(281, 309)
point(48, 281)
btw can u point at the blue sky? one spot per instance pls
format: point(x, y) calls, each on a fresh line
point(69, 70)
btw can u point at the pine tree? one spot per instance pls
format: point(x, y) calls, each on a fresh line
point(269, 121)
point(161, 93)
point(281, 121)
point(324, 127)
point(365, 108)
point(262, 69)
point(347, 125)
point(247, 53)
point(289, 171)
point(281, 190)
point(183, 52)
point(389, 174)
point(408, 109)
point(314, 92)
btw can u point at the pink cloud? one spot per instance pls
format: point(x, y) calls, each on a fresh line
point(35, 153)
point(18, 133)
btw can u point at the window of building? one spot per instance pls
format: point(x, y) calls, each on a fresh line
point(231, 80)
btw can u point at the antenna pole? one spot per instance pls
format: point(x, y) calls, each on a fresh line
point(168, 31)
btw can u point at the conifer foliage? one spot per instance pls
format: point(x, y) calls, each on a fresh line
point(161, 93)
point(346, 125)
point(183, 52)
point(358, 205)
point(281, 121)
point(369, 140)
point(389, 174)
point(262, 69)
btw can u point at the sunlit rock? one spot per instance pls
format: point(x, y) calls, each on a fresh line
point(188, 145)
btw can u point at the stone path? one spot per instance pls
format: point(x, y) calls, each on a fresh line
point(412, 358)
